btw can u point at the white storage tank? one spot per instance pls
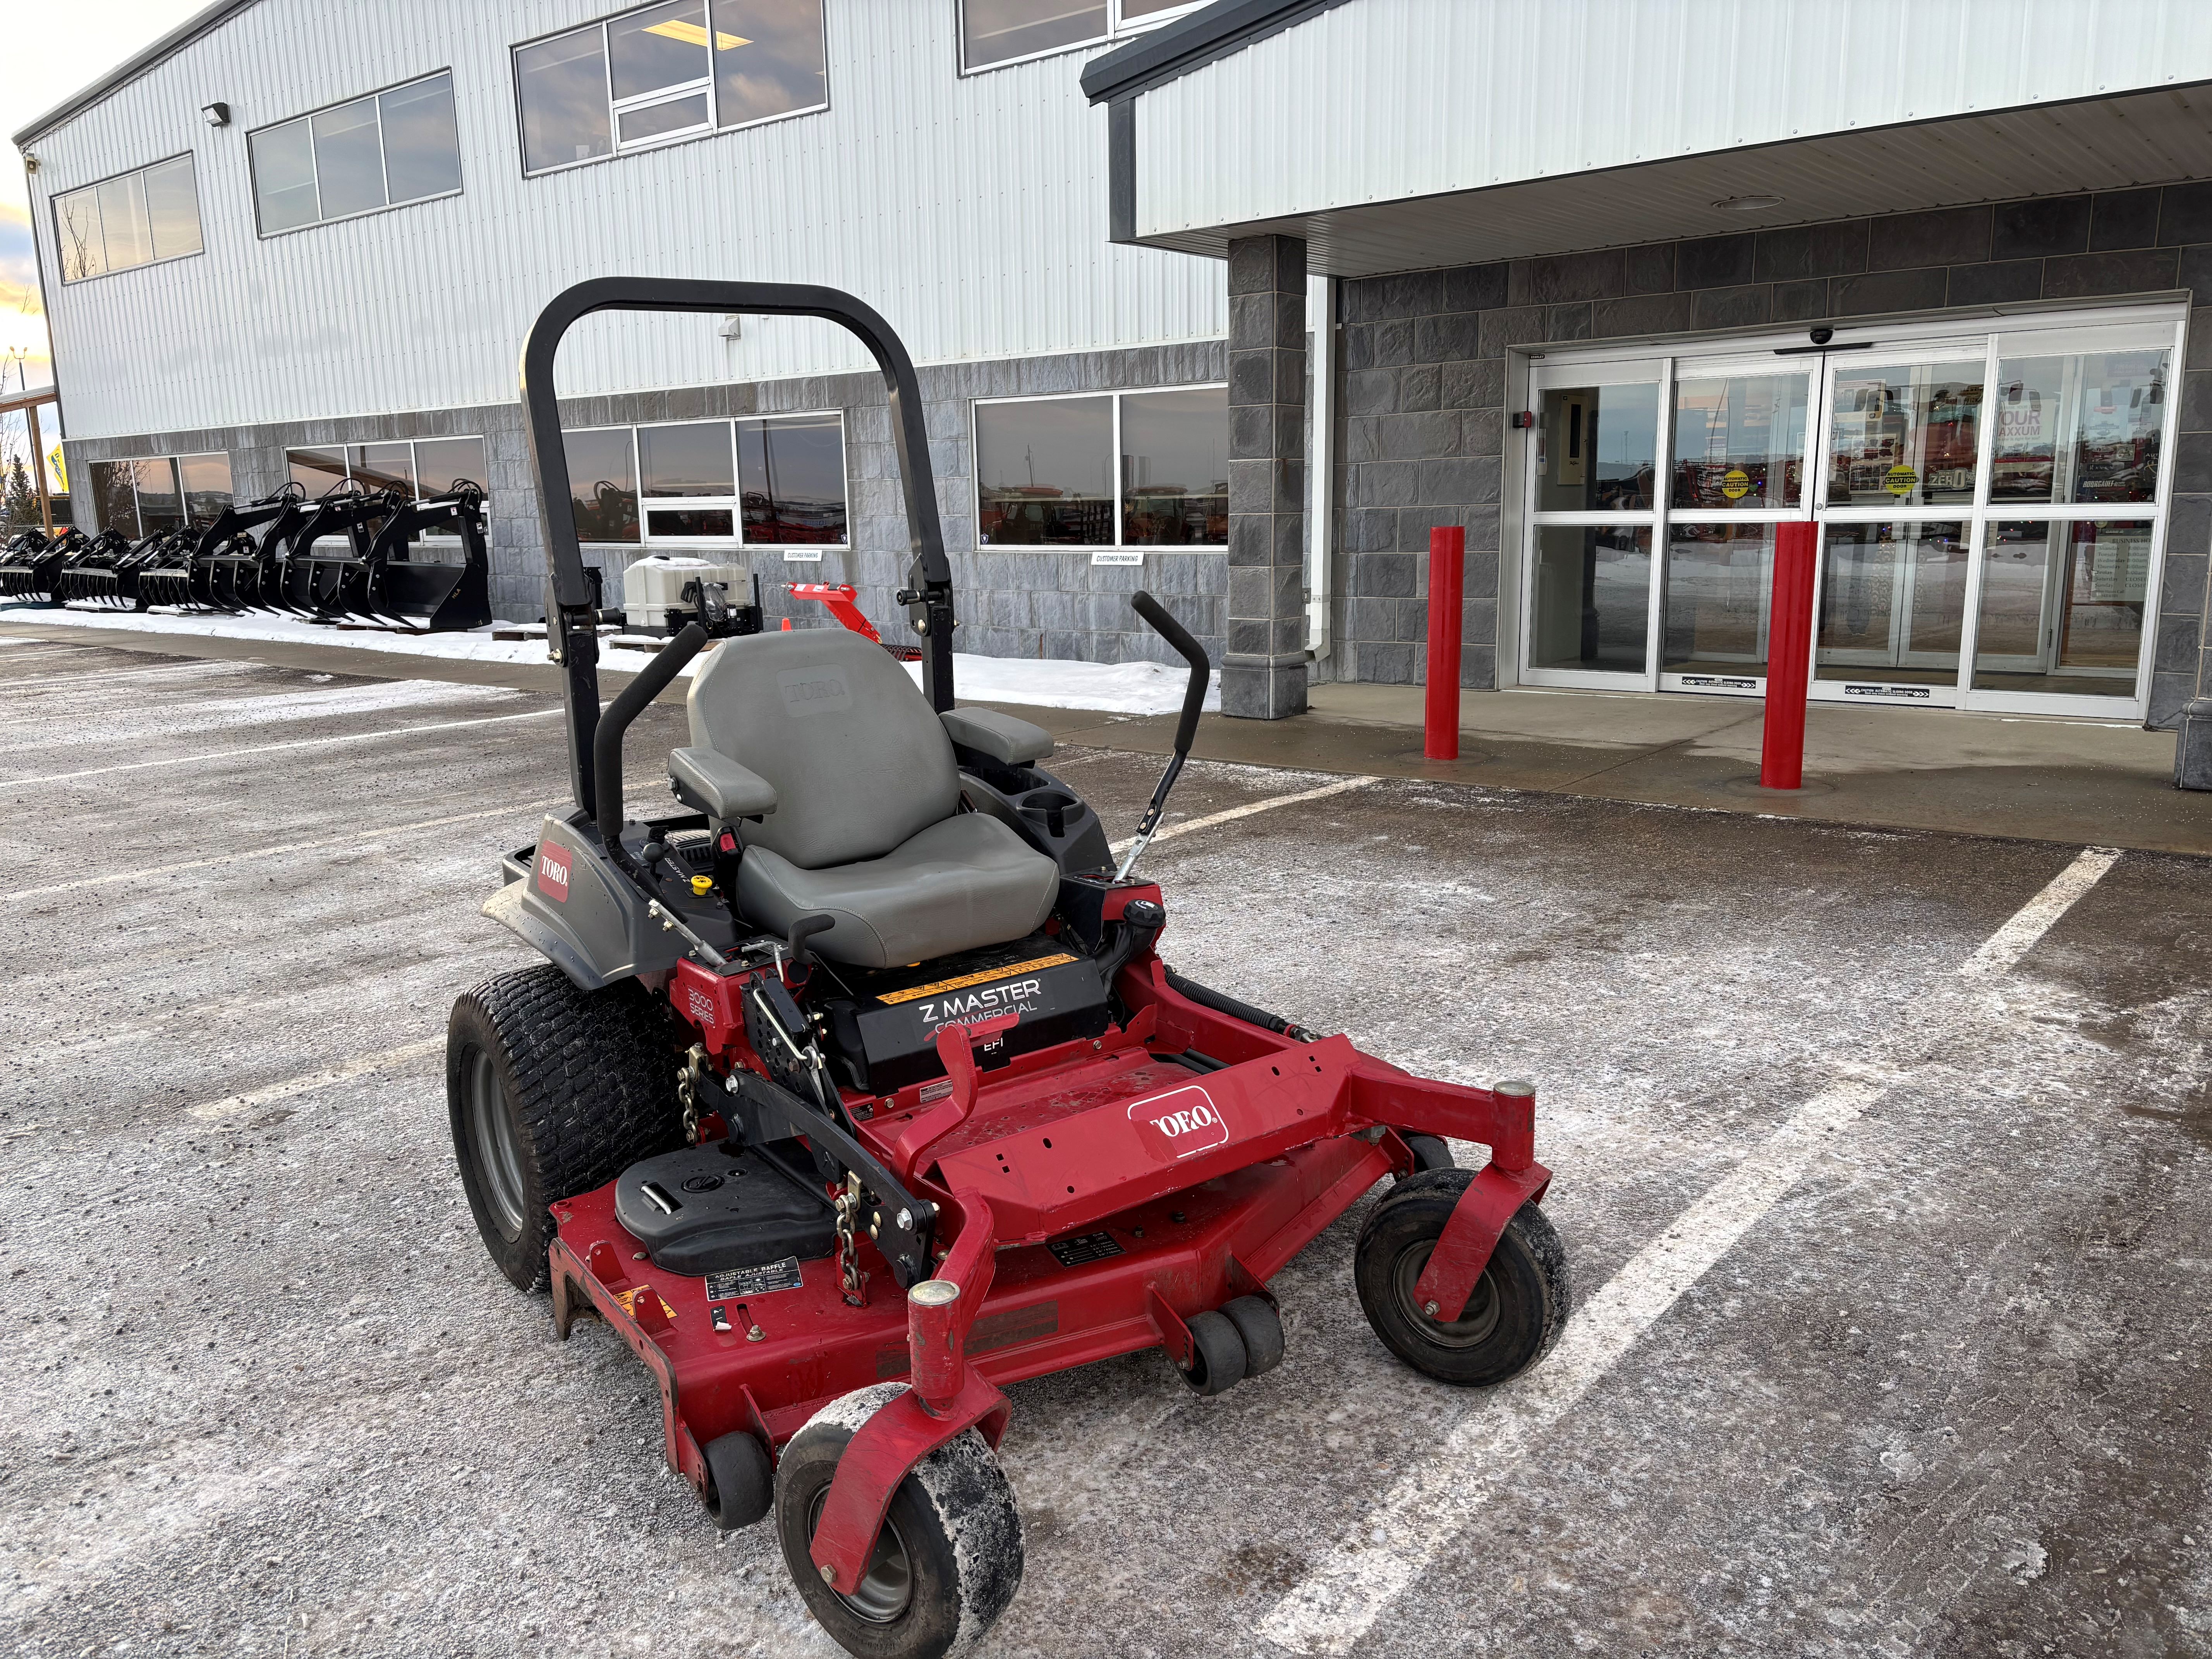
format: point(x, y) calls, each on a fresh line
point(653, 590)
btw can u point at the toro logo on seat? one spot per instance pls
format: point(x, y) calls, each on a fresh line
point(553, 873)
point(1176, 1124)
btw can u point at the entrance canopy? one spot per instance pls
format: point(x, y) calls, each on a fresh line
point(1401, 135)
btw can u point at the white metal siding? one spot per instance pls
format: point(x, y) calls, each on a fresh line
point(970, 212)
point(1384, 99)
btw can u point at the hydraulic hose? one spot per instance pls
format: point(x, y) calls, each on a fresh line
point(1222, 1003)
point(630, 703)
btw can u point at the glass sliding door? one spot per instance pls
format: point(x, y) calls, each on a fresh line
point(1991, 510)
point(1737, 469)
point(1594, 484)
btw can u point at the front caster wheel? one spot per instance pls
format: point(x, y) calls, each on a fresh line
point(1519, 1305)
point(949, 1559)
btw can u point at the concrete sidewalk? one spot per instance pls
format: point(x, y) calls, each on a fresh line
point(2062, 780)
point(2072, 781)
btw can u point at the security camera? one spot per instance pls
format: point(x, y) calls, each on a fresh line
point(1822, 335)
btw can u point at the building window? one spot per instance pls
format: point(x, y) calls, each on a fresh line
point(775, 481)
point(995, 31)
point(137, 218)
point(384, 150)
point(417, 468)
point(672, 71)
point(1129, 469)
point(163, 493)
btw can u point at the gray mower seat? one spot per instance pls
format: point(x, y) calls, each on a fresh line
point(866, 826)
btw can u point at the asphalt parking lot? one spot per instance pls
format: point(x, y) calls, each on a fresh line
point(1887, 1216)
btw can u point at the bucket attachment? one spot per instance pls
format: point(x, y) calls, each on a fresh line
point(242, 551)
point(104, 572)
point(395, 584)
point(32, 562)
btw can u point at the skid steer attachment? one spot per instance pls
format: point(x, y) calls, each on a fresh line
point(244, 549)
point(33, 560)
point(103, 572)
point(391, 584)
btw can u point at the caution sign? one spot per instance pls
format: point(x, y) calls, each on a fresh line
point(1899, 479)
point(1735, 483)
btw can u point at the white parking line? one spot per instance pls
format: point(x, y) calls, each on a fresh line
point(1334, 1608)
point(1342, 785)
point(1340, 1600)
point(354, 837)
point(309, 1083)
point(272, 748)
point(2034, 919)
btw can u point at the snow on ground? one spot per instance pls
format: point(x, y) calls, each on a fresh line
point(1127, 687)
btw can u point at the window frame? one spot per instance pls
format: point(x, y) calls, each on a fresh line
point(176, 473)
point(1990, 340)
point(372, 95)
point(54, 206)
point(414, 465)
point(1117, 28)
point(647, 542)
point(617, 108)
point(1120, 496)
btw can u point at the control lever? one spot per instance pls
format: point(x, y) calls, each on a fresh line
point(794, 945)
point(1193, 700)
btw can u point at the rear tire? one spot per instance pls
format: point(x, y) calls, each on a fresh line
point(949, 1559)
point(1518, 1307)
point(553, 1092)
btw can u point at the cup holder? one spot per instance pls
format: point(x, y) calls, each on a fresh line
point(1050, 807)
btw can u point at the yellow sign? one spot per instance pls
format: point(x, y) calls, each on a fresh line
point(1899, 479)
point(56, 472)
point(966, 979)
point(1735, 483)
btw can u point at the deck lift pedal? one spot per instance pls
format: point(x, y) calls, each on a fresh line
point(859, 1091)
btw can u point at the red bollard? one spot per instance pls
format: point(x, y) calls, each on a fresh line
point(1440, 718)
point(1788, 657)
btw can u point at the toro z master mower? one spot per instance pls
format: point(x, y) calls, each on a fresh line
point(859, 1091)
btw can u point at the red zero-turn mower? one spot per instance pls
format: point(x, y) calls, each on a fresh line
point(861, 1090)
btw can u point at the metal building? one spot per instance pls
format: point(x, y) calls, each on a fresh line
point(279, 244)
point(1236, 301)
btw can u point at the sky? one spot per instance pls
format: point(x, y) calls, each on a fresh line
point(52, 52)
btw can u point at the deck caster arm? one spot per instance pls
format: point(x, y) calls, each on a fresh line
point(946, 1398)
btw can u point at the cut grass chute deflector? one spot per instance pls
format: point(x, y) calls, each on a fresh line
point(857, 1090)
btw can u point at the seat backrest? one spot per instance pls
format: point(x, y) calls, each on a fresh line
point(859, 760)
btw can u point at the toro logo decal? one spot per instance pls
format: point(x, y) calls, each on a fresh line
point(1180, 1123)
point(553, 873)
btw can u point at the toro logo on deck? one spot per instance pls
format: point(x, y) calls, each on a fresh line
point(1176, 1124)
point(553, 873)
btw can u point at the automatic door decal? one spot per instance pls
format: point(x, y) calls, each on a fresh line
point(1180, 1123)
point(553, 873)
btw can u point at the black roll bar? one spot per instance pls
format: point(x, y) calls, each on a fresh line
point(572, 618)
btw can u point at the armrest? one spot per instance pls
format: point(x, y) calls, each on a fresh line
point(714, 784)
point(998, 737)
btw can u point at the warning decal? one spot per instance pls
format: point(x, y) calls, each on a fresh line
point(735, 1283)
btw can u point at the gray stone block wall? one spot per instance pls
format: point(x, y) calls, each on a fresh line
point(1014, 602)
point(1421, 404)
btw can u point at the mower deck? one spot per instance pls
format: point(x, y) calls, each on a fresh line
point(1122, 1285)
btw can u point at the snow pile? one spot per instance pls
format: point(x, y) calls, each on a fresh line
point(1126, 688)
